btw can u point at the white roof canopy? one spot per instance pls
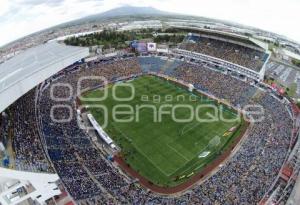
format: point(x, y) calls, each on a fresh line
point(26, 70)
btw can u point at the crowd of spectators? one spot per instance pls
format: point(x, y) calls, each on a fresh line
point(4, 128)
point(159, 65)
point(82, 168)
point(248, 175)
point(91, 178)
point(29, 153)
point(208, 80)
point(241, 55)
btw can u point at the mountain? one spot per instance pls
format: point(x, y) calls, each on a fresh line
point(131, 10)
point(126, 11)
point(120, 12)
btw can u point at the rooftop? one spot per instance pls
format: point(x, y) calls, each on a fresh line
point(31, 67)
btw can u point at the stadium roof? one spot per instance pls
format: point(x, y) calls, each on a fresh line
point(26, 70)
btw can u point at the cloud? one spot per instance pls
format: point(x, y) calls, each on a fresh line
point(22, 17)
point(39, 2)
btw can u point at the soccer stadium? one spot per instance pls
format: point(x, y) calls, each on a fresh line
point(185, 153)
point(193, 123)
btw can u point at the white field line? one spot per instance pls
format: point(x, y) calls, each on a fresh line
point(177, 152)
point(142, 152)
point(191, 159)
point(202, 150)
point(183, 132)
point(167, 174)
point(124, 135)
point(187, 160)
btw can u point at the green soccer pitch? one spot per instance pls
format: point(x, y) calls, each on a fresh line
point(154, 143)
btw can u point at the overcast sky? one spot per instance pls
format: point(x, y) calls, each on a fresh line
point(22, 17)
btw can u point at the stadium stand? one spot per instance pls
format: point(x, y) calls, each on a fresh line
point(91, 178)
point(4, 128)
point(151, 63)
point(227, 51)
point(29, 152)
point(208, 81)
point(76, 146)
point(158, 64)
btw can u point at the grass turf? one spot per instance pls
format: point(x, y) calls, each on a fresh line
point(167, 153)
